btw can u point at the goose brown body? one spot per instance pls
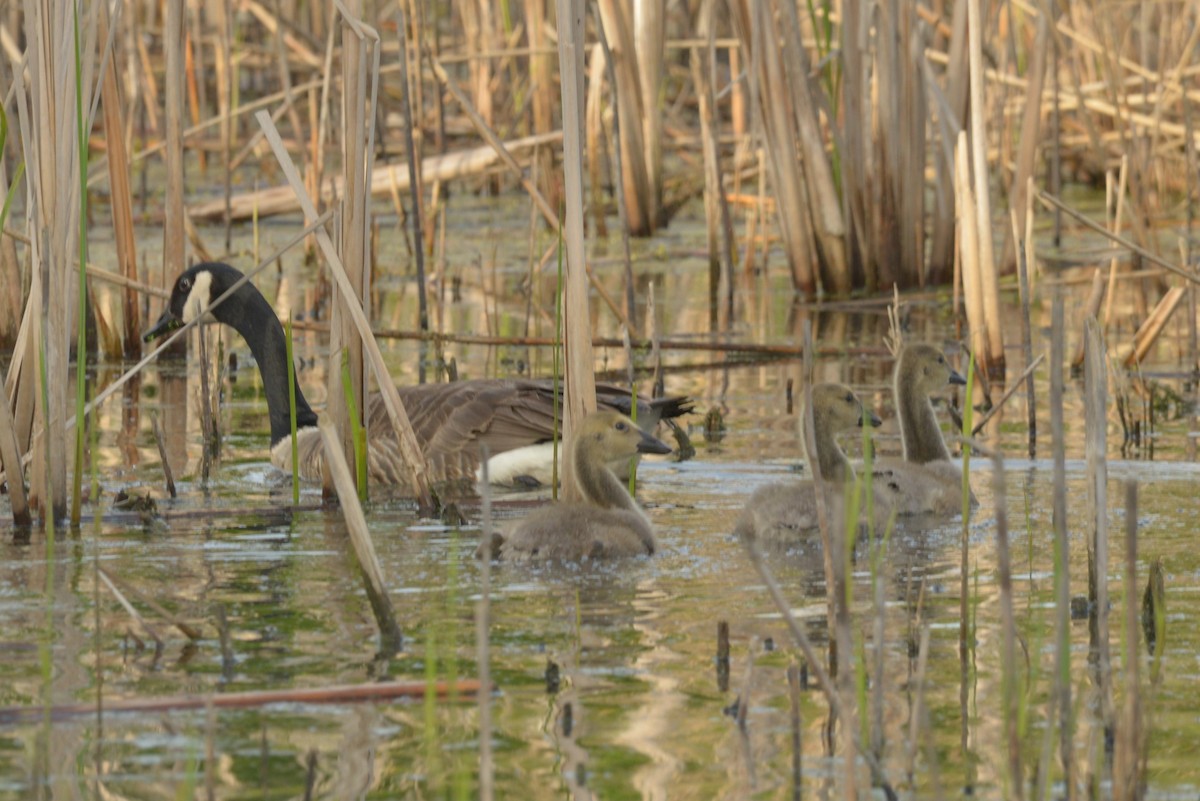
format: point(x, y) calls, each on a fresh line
point(453, 422)
point(605, 522)
point(783, 511)
point(926, 480)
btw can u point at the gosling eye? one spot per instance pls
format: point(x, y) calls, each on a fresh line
point(849, 397)
point(621, 426)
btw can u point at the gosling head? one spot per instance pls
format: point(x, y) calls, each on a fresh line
point(925, 368)
point(194, 291)
point(612, 436)
point(837, 408)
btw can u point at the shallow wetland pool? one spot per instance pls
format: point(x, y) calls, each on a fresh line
point(639, 708)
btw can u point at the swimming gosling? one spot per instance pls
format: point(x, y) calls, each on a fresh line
point(782, 512)
point(605, 522)
point(926, 481)
point(514, 418)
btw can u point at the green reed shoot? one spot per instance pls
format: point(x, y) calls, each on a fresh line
point(358, 433)
point(81, 341)
point(633, 463)
point(291, 379)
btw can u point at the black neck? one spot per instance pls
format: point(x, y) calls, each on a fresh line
point(248, 312)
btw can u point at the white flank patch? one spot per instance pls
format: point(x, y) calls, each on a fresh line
point(535, 461)
point(199, 298)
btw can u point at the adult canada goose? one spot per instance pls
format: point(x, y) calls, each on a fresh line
point(782, 511)
point(606, 522)
point(926, 481)
point(514, 418)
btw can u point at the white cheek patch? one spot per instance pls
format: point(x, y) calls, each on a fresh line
point(199, 298)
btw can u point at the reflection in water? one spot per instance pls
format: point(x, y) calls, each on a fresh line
point(637, 713)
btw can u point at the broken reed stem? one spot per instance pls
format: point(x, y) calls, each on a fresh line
point(1054, 203)
point(482, 627)
point(410, 450)
point(162, 455)
point(1026, 376)
point(390, 637)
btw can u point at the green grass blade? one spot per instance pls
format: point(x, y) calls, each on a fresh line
point(358, 434)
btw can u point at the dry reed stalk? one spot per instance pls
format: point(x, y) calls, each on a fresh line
point(1030, 134)
point(1150, 329)
point(1061, 684)
point(341, 694)
point(773, 116)
point(1095, 375)
point(223, 63)
point(1091, 308)
point(359, 42)
point(414, 169)
point(1026, 335)
point(1128, 777)
point(281, 200)
point(716, 208)
point(579, 391)
point(622, 204)
point(121, 201)
point(968, 249)
point(10, 455)
point(992, 357)
point(594, 112)
point(174, 237)
point(50, 128)
point(639, 110)
point(168, 476)
point(1115, 227)
point(360, 539)
point(409, 448)
point(1054, 203)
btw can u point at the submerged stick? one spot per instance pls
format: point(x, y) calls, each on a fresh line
point(360, 539)
point(1061, 692)
point(339, 694)
point(162, 454)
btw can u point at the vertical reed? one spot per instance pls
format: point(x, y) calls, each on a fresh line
point(291, 379)
point(579, 395)
point(1061, 692)
point(1128, 767)
point(1095, 414)
point(174, 236)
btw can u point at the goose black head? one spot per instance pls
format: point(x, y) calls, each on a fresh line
point(194, 291)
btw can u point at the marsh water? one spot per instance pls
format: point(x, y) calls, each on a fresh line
point(606, 678)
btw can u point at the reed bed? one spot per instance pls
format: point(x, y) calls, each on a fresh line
point(886, 146)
